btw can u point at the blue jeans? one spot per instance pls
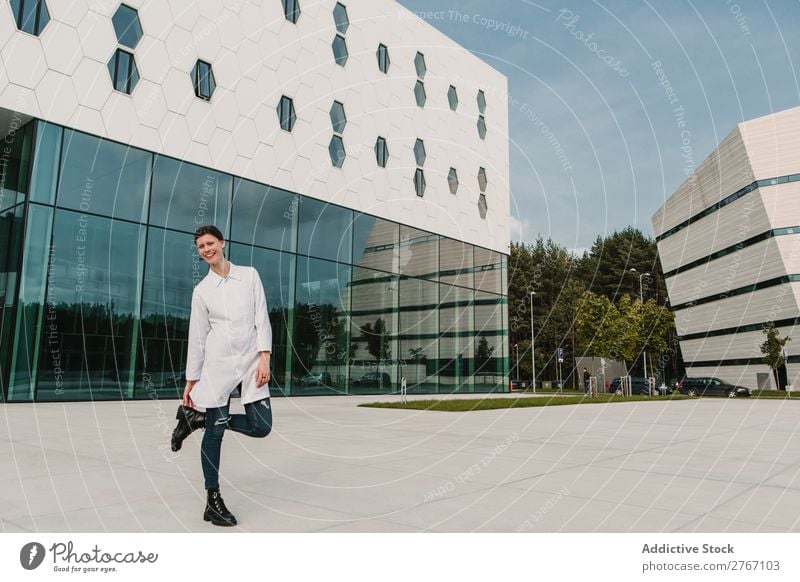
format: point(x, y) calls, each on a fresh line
point(255, 422)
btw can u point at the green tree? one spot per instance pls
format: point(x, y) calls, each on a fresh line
point(378, 340)
point(606, 330)
point(606, 268)
point(772, 348)
point(656, 323)
point(483, 354)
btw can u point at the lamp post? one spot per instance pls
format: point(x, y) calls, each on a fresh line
point(516, 359)
point(533, 338)
point(641, 298)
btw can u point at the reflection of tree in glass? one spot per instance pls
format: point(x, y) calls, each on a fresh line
point(317, 327)
point(378, 340)
point(483, 354)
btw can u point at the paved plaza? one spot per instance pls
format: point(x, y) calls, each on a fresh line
point(705, 465)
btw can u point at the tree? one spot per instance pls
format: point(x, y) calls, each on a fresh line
point(772, 348)
point(656, 323)
point(483, 354)
point(610, 331)
point(378, 339)
point(606, 268)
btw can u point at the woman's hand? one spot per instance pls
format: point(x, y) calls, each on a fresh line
point(262, 373)
point(187, 400)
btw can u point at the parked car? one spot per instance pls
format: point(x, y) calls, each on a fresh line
point(374, 379)
point(319, 379)
point(638, 387)
point(710, 386)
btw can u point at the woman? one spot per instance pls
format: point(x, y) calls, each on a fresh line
point(230, 340)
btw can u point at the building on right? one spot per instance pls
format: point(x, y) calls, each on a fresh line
point(729, 244)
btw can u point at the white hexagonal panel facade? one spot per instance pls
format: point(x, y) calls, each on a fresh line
point(257, 56)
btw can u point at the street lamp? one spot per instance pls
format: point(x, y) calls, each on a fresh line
point(641, 298)
point(533, 338)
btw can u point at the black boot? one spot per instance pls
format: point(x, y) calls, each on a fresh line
point(189, 420)
point(216, 512)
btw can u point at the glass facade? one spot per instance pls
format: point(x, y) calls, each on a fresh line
point(98, 266)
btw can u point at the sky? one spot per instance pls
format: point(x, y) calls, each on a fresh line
point(612, 104)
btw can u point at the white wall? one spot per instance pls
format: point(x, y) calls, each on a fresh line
point(257, 55)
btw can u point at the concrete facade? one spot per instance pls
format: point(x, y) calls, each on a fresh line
point(729, 243)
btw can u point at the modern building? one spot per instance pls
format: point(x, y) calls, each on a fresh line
point(349, 151)
point(729, 243)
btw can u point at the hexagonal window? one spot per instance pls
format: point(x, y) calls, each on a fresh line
point(419, 152)
point(419, 182)
point(482, 179)
point(419, 93)
point(381, 151)
point(291, 10)
point(481, 102)
point(286, 115)
point(127, 26)
point(452, 97)
point(338, 118)
point(419, 64)
point(336, 150)
point(452, 181)
point(383, 58)
point(124, 74)
point(203, 80)
point(482, 127)
point(340, 17)
point(482, 207)
point(340, 50)
point(31, 16)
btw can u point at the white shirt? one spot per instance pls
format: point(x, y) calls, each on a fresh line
point(228, 327)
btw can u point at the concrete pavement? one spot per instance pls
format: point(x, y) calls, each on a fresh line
point(705, 465)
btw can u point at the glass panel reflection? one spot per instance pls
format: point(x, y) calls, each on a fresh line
point(456, 343)
point(376, 243)
point(264, 216)
point(419, 253)
point(37, 259)
point(172, 270)
point(103, 177)
point(93, 293)
point(45, 163)
point(324, 230)
point(320, 346)
point(418, 334)
point(455, 262)
point(186, 196)
point(277, 273)
point(488, 270)
point(11, 235)
point(373, 321)
point(15, 163)
point(489, 351)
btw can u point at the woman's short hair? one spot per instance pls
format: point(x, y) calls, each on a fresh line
point(208, 229)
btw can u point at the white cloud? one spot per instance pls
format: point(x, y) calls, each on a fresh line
point(520, 229)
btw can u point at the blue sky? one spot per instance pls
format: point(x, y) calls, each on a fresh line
point(619, 144)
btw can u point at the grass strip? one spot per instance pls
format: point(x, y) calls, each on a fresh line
point(467, 405)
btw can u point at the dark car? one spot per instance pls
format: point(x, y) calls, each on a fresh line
point(710, 386)
point(638, 387)
point(374, 379)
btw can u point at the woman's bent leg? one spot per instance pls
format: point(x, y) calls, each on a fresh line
point(216, 422)
point(256, 421)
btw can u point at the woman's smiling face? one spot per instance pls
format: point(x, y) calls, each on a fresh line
point(210, 248)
